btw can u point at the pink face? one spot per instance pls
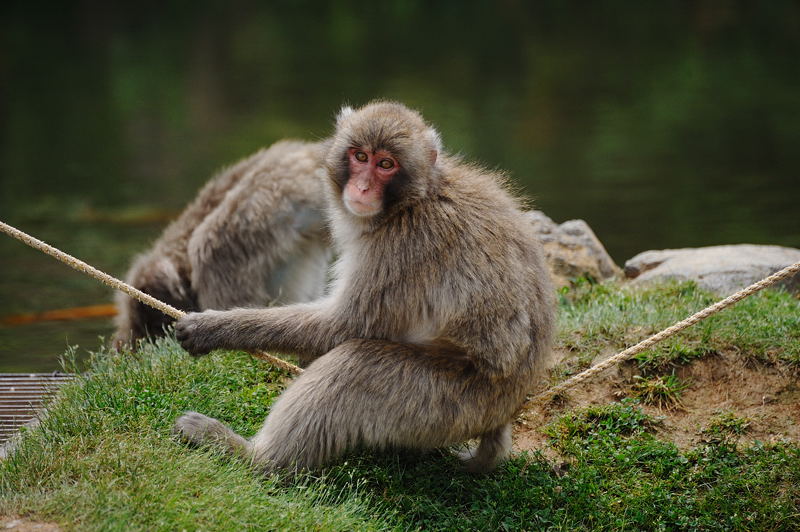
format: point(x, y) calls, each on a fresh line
point(370, 172)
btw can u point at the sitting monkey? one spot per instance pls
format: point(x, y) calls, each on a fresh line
point(440, 312)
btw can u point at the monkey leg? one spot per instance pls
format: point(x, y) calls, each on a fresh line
point(381, 394)
point(493, 448)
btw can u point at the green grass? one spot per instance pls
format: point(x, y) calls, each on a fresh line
point(104, 458)
point(724, 426)
point(663, 391)
point(601, 318)
point(640, 482)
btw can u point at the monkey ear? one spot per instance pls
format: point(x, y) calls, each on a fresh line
point(344, 112)
point(436, 144)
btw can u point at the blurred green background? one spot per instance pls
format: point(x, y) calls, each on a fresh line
point(662, 124)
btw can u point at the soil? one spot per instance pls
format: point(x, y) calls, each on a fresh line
point(18, 524)
point(768, 397)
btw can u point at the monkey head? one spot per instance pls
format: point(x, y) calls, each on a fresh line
point(382, 155)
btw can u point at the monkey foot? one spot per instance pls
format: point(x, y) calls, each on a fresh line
point(196, 429)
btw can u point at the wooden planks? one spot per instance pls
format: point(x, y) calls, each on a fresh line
point(22, 396)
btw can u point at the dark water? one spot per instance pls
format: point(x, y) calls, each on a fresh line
point(662, 124)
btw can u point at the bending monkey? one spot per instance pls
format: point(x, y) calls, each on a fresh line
point(440, 312)
point(255, 235)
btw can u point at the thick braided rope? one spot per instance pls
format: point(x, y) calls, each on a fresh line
point(666, 333)
point(115, 283)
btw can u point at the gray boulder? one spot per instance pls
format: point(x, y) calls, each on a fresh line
point(720, 269)
point(572, 250)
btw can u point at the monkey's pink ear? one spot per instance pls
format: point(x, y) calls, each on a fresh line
point(344, 112)
point(436, 144)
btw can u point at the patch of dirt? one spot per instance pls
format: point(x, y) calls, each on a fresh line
point(20, 524)
point(767, 397)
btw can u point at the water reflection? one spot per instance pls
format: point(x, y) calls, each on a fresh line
point(662, 124)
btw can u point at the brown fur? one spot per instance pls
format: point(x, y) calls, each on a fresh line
point(439, 316)
point(255, 235)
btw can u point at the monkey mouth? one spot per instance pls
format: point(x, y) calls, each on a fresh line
point(361, 208)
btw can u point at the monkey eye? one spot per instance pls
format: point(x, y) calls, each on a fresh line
point(361, 156)
point(386, 164)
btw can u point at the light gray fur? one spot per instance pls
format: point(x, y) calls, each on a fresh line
point(255, 235)
point(439, 316)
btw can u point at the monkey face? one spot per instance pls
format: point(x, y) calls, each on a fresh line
point(370, 173)
point(381, 156)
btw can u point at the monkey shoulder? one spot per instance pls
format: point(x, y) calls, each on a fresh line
point(289, 167)
point(482, 236)
point(477, 207)
point(282, 185)
point(270, 167)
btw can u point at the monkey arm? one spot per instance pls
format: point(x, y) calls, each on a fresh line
point(306, 330)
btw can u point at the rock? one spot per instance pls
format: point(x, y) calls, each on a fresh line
point(720, 269)
point(572, 250)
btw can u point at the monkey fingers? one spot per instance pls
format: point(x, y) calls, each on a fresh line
point(198, 333)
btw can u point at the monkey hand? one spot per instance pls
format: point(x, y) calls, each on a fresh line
point(198, 332)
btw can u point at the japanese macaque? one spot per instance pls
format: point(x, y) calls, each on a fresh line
point(255, 235)
point(440, 312)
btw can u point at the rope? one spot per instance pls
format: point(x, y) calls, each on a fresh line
point(573, 381)
point(115, 283)
point(663, 335)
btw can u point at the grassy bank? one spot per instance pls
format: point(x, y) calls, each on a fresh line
point(104, 458)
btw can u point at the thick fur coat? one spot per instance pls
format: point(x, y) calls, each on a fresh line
point(440, 313)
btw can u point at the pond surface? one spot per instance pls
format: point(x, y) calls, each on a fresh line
point(662, 125)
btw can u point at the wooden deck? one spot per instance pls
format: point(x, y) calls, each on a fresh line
point(22, 396)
